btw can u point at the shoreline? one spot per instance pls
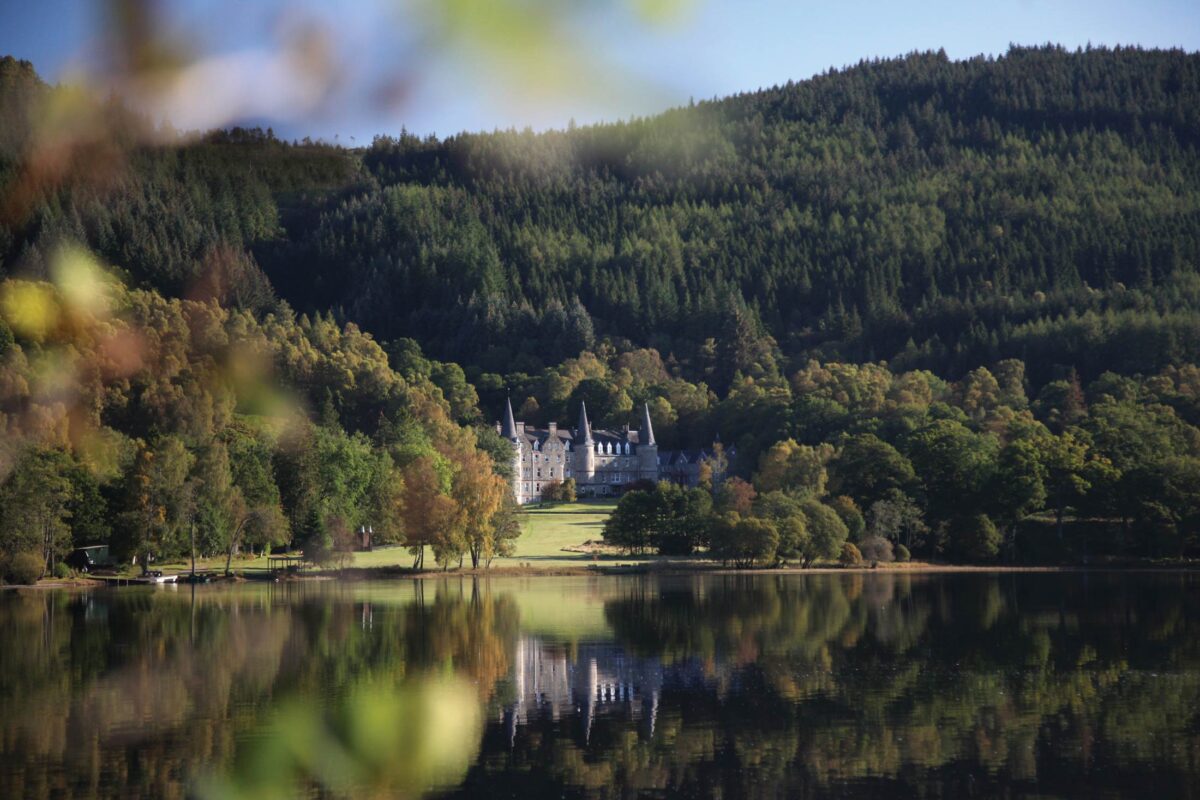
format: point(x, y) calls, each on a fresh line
point(676, 569)
point(672, 569)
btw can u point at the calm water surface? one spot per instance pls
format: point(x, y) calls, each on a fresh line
point(1013, 685)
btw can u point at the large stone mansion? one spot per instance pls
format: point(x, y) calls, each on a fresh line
point(600, 461)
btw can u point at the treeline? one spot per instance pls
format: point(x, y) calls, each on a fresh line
point(157, 425)
point(972, 470)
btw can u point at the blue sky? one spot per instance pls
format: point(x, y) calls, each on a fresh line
point(633, 66)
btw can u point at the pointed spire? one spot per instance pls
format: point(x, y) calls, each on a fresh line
point(509, 428)
point(584, 434)
point(647, 437)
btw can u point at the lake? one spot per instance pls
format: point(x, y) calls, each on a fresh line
point(852, 685)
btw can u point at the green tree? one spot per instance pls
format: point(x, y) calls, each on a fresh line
point(216, 501)
point(850, 514)
point(826, 532)
point(634, 522)
point(785, 512)
point(898, 519)
point(35, 509)
point(793, 467)
point(975, 538)
point(744, 541)
point(685, 518)
point(91, 521)
point(507, 528)
point(955, 466)
point(258, 517)
point(1066, 463)
point(158, 502)
point(867, 469)
point(1018, 484)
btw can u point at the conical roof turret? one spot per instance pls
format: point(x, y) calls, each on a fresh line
point(508, 428)
point(584, 434)
point(647, 437)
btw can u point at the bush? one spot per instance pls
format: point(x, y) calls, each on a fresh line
point(62, 571)
point(850, 514)
point(550, 491)
point(25, 568)
point(826, 531)
point(902, 554)
point(976, 538)
point(876, 548)
point(745, 542)
point(850, 556)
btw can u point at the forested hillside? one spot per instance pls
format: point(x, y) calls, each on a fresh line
point(1043, 205)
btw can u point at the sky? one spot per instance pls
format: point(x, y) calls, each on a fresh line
point(444, 66)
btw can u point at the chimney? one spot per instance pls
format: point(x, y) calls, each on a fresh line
point(553, 429)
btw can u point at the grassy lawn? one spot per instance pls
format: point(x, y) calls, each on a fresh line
point(548, 530)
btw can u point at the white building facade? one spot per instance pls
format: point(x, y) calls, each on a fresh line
point(601, 462)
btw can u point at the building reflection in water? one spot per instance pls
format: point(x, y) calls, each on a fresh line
point(600, 679)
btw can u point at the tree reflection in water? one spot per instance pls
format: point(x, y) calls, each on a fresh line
point(717, 686)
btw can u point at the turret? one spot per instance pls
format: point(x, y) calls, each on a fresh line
point(585, 450)
point(647, 448)
point(508, 429)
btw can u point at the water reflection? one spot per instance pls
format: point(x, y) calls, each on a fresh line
point(718, 686)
